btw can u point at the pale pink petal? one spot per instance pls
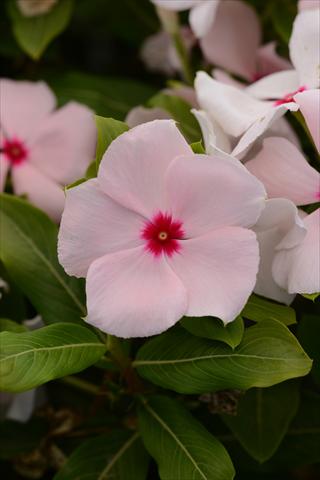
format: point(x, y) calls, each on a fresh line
point(132, 294)
point(278, 220)
point(4, 167)
point(176, 5)
point(24, 106)
point(64, 145)
point(282, 128)
point(308, 4)
point(93, 225)
point(269, 61)
point(207, 192)
point(234, 38)
point(260, 127)
point(202, 16)
point(40, 190)
point(133, 168)
point(226, 78)
point(298, 269)
point(275, 86)
point(138, 115)
point(214, 138)
point(309, 103)
point(304, 47)
point(187, 94)
point(284, 171)
point(232, 108)
point(22, 406)
point(219, 271)
point(155, 54)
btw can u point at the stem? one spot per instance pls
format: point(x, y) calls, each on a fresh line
point(170, 24)
point(81, 384)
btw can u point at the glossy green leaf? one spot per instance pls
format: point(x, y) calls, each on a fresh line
point(311, 296)
point(36, 357)
point(258, 309)
point(107, 96)
point(181, 446)
point(7, 325)
point(197, 147)
point(108, 130)
point(180, 111)
point(309, 335)
point(263, 418)
point(29, 252)
point(35, 33)
point(214, 328)
point(119, 455)
point(268, 354)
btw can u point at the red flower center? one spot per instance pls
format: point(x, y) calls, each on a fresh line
point(289, 97)
point(162, 235)
point(15, 151)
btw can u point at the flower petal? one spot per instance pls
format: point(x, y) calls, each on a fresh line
point(285, 172)
point(234, 38)
point(298, 269)
point(260, 127)
point(275, 86)
point(138, 115)
point(269, 61)
point(41, 191)
point(175, 5)
point(133, 168)
point(132, 294)
point(214, 138)
point(64, 144)
point(232, 108)
point(278, 220)
point(24, 105)
point(304, 47)
point(219, 271)
point(202, 16)
point(94, 225)
point(309, 103)
point(207, 192)
point(308, 4)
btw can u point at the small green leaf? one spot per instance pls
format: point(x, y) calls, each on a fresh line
point(180, 111)
point(268, 354)
point(311, 296)
point(119, 455)
point(197, 147)
point(29, 253)
point(181, 446)
point(308, 335)
point(258, 309)
point(263, 418)
point(108, 130)
point(214, 328)
point(7, 325)
point(35, 33)
point(36, 357)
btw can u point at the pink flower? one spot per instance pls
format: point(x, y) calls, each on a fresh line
point(233, 42)
point(161, 233)
point(309, 103)
point(44, 149)
point(32, 8)
point(308, 5)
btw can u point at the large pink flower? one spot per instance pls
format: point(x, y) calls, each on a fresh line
point(309, 103)
point(44, 149)
point(161, 233)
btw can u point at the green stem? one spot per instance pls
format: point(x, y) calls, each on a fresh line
point(81, 384)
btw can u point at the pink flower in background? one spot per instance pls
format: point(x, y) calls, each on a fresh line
point(44, 149)
point(32, 8)
point(233, 42)
point(308, 4)
point(161, 233)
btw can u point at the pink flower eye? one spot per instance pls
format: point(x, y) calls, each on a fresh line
point(289, 97)
point(162, 234)
point(15, 151)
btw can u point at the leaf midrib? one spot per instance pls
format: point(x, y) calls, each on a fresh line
point(119, 453)
point(48, 265)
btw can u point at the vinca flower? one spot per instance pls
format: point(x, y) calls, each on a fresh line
point(161, 233)
point(44, 149)
point(32, 8)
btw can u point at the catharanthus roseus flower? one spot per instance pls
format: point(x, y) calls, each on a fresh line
point(309, 103)
point(161, 233)
point(44, 149)
point(31, 8)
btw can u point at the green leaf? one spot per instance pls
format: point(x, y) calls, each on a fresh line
point(119, 455)
point(180, 111)
point(7, 325)
point(108, 130)
point(263, 418)
point(214, 328)
point(107, 96)
point(29, 253)
point(283, 23)
point(311, 296)
point(308, 335)
point(181, 446)
point(36, 357)
point(35, 33)
point(197, 147)
point(268, 354)
point(258, 309)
